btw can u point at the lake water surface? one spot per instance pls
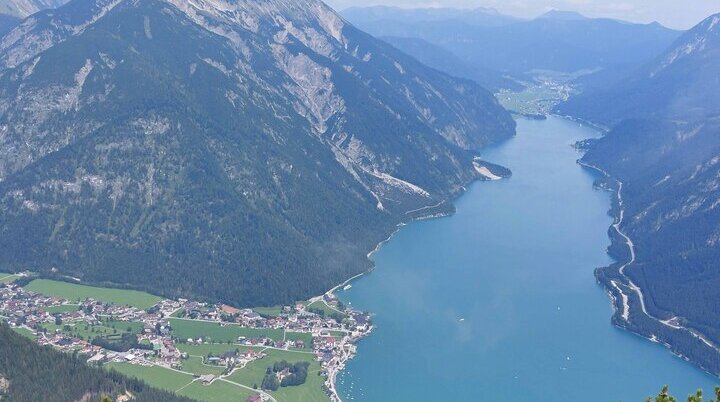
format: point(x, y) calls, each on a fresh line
point(499, 303)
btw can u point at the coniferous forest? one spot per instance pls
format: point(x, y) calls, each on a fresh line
point(34, 373)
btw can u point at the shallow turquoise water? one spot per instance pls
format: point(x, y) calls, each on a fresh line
point(498, 302)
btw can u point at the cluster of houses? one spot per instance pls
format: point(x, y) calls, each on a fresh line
point(333, 336)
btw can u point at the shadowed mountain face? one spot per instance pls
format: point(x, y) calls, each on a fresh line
point(248, 152)
point(665, 147)
point(446, 61)
point(7, 23)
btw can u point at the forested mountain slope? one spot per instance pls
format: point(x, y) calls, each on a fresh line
point(680, 84)
point(241, 151)
point(7, 23)
point(35, 373)
point(665, 149)
point(446, 61)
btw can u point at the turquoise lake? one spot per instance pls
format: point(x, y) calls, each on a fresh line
point(498, 302)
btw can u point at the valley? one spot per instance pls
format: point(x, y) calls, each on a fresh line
point(182, 181)
point(201, 351)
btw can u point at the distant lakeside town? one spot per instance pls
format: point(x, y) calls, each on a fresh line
point(209, 343)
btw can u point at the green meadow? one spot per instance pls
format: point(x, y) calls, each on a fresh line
point(311, 391)
point(321, 305)
point(75, 292)
point(215, 333)
point(7, 278)
point(156, 376)
point(109, 329)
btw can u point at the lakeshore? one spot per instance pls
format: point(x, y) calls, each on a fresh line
point(454, 299)
point(209, 352)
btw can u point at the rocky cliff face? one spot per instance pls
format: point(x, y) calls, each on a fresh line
point(251, 152)
point(24, 8)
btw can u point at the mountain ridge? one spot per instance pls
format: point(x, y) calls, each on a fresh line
point(520, 47)
point(663, 146)
point(243, 169)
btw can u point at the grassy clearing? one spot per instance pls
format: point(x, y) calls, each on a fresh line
point(269, 311)
point(110, 329)
point(183, 384)
point(71, 291)
point(218, 391)
point(156, 376)
point(304, 336)
point(215, 349)
point(24, 332)
point(7, 278)
point(195, 365)
point(321, 305)
point(311, 391)
point(214, 332)
point(64, 308)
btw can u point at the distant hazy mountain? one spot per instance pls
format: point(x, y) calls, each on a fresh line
point(557, 41)
point(682, 83)
point(563, 15)
point(665, 147)
point(13, 11)
point(444, 60)
point(371, 16)
point(243, 151)
point(24, 8)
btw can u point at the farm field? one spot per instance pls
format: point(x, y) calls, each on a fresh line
point(64, 308)
point(110, 329)
point(218, 391)
point(311, 391)
point(156, 376)
point(71, 291)
point(6, 278)
point(327, 310)
point(194, 364)
point(268, 311)
point(304, 336)
point(214, 332)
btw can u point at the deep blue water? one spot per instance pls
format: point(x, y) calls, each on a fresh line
point(516, 263)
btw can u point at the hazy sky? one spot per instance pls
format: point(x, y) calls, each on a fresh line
point(673, 13)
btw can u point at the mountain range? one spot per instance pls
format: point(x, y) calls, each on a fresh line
point(446, 61)
point(557, 41)
point(236, 151)
point(375, 16)
point(664, 147)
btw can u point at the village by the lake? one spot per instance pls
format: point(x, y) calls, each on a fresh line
point(210, 352)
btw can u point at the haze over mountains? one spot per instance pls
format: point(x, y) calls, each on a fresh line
point(244, 168)
point(665, 147)
point(558, 41)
